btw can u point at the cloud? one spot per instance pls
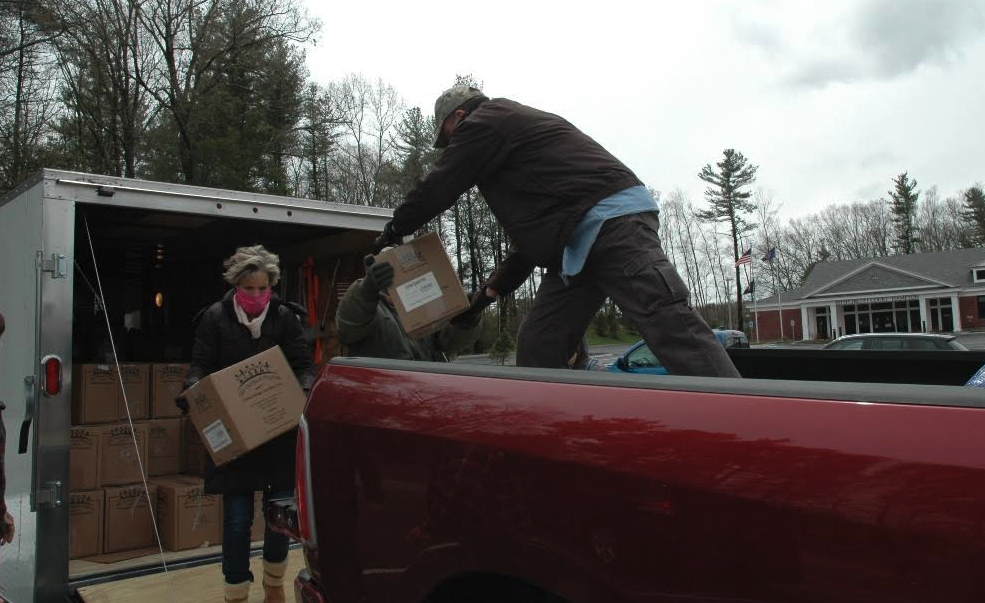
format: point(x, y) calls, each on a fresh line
point(874, 39)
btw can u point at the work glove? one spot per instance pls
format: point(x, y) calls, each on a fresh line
point(479, 301)
point(379, 277)
point(387, 238)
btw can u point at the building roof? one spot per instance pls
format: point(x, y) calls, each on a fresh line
point(911, 272)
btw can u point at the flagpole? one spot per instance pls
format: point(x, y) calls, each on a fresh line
point(779, 300)
point(755, 313)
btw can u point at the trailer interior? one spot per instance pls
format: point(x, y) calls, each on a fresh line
point(157, 271)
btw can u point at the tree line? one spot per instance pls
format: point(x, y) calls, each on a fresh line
point(217, 93)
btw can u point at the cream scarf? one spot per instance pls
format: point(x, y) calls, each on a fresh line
point(253, 325)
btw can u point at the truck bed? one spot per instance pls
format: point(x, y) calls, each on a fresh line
point(434, 480)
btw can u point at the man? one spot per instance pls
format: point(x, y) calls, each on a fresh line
point(368, 324)
point(569, 206)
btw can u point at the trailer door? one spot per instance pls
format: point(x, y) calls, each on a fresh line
point(35, 242)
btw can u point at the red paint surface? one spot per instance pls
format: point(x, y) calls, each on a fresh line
point(617, 494)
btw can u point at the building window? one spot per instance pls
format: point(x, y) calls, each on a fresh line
point(981, 306)
point(979, 275)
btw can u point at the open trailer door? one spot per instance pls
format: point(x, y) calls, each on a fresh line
point(35, 239)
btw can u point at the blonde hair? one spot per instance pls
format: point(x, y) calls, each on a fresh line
point(248, 260)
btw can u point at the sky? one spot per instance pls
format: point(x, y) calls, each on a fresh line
point(831, 100)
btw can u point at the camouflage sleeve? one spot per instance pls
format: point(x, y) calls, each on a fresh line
point(356, 316)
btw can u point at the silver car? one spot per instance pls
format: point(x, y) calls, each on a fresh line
point(896, 341)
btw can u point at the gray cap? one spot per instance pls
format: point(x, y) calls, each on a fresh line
point(450, 99)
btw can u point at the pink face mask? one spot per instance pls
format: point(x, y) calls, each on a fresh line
point(250, 304)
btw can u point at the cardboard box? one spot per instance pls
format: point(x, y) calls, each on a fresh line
point(164, 446)
point(187, 518)
point(425, 292)
point(84, 458)
point(166, 383)
point(194, 457)
point(259, 518)
point(245, 405)
point(127, 523)
point(118, 463)
point(97, 398)
point(85, 523)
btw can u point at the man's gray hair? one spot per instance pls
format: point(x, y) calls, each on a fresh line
point(248, 260)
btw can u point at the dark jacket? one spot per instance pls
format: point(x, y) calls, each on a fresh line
point(372, 329)
point(538, 173)
point(221, 341)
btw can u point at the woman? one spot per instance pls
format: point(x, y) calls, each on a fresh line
point(247, 321)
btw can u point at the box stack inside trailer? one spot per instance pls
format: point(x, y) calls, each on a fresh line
point(157, 272)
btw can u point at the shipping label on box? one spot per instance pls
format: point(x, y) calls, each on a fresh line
point(85, 524)
point(425, 292)
point(245, 405)
point(187, 517)
point(166, 383)
point(164, 446)
point(194, 457)
point(98, 398)
point(84, 458)
point(118, 457)
point(127, 523)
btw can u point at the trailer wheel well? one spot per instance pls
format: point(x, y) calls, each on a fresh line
point(490, 588)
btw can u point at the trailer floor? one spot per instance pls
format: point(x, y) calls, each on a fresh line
point(202, 584)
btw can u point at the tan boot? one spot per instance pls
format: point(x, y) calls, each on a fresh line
point(237, 593)
point(273, 581)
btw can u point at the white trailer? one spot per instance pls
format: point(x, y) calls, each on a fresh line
point(158, 249)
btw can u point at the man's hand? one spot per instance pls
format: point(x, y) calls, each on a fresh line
point(386, 239)
point(480, 300)
point(7, 535)
point(379, 277)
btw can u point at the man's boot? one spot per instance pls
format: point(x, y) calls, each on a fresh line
point(273, 581)
point(238, 593)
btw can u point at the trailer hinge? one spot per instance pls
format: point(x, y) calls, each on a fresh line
point(57, 265)
point(50, 495)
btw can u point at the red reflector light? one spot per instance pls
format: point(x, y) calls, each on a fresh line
point(52, 366)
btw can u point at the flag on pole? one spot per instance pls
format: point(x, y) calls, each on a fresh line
point(770, 255)
point(745, 258)
point(750, 288)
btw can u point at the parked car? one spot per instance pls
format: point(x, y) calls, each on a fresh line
point(639, 358)
point(896, 341)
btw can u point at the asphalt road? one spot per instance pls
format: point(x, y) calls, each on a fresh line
point(606, 354)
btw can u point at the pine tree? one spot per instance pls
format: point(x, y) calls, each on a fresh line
point(903, 204)
point(503, 347)
point(974, 213)
point(729, 201)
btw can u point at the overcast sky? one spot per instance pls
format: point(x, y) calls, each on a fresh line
point(831, 99)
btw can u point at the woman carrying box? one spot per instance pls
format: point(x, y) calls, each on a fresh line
point(247, 321)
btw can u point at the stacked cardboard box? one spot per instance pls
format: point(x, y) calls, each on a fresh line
point(98, 398)
point(85, 524)
point(166, 384)
point(127, 523)
point(187, 518)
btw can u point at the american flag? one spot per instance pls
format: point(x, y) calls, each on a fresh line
point(745, 258)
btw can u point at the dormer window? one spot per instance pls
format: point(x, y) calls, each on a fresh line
point(978, 275)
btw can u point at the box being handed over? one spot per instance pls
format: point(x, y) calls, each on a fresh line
point(245, 405)
point(425, 290)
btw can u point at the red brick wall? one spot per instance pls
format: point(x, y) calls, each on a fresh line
point(769, 326)
point(969, 312)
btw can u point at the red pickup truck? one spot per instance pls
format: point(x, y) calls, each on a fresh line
point(435, 483)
